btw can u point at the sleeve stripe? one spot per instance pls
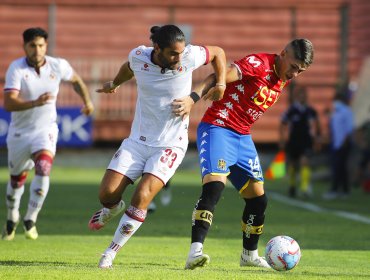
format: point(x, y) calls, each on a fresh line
point(207, 55)
point(10, 89)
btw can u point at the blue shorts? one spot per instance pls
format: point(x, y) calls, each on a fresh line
point(225, 152)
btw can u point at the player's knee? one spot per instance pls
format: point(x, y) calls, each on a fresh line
point(17, 181)
point(256, 205)
point(43, 164)
point(211, 193)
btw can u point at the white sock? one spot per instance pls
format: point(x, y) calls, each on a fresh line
point(250, 254)
point(126, 228)
point(196, 248)
point(38, 191)
point(13, 200)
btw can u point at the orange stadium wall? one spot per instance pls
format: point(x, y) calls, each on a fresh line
point(96, 39)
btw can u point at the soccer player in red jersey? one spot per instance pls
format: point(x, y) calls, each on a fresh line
point(226, 149)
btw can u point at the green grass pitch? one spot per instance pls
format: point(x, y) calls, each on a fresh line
point(332, 247)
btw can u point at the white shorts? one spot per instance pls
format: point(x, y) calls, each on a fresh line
point(133, 159)
point(22, 145)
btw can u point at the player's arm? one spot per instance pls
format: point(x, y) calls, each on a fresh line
point(124, 74)
point(13, 102)
point(209, 89)
point(81, 89)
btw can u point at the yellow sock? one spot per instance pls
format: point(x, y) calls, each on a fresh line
point(305, 178)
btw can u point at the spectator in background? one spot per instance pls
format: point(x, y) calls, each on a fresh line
point(300, 135)
point(30, 94)
point(159, 132)
point(341, 126)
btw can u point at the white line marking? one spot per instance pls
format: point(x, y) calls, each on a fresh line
point(314, 208)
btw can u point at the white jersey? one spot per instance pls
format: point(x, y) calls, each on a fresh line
point(22, 77)
point(154, 123)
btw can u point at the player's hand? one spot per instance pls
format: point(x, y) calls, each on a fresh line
point(88, 108)
point(108, 87)
point(215, 93)
point(43, 99)
point(182, 106)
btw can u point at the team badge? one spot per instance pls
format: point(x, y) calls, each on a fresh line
point(126, 229)
point(138, 52)
point(221, 164)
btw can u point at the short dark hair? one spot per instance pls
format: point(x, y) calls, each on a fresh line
point(166, 35)
point(303, 50)
point(33, 32)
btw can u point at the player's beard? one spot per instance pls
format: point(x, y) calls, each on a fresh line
point(165, 63)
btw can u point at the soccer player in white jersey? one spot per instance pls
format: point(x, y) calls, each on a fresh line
point(30, 93)
point(159, 133)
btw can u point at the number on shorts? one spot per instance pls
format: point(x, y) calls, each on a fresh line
point(169, 157)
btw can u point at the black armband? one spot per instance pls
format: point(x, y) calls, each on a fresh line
point(194, 96)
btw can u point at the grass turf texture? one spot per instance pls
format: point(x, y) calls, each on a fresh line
point(332, 247)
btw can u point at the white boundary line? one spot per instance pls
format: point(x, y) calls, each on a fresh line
point(314, 208)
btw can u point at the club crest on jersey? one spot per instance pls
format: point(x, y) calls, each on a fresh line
point(221, 164)
point(138, 52)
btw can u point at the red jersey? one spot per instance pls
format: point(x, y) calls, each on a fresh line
point(245, 100)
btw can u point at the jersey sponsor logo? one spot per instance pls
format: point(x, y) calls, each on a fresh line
point(252, 60)
point(221, 164)
point(203, 215)
point(145, 67)
point(268, 77)
point(265, 97)
point(142, 138)
point(117, 154)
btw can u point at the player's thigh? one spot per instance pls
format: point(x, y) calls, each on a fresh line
point(19, 154)
point(45, 140)
point(248, 167)
point(164, 162)
point(217, 149)
point(130, 159)
point(113, 183)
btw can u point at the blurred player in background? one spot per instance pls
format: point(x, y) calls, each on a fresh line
point(30, 93)
point(226, 149)
point(341, 124)
point(300, 136)
point(159, 132)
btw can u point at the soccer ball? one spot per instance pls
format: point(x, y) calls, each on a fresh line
point(282, 253)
